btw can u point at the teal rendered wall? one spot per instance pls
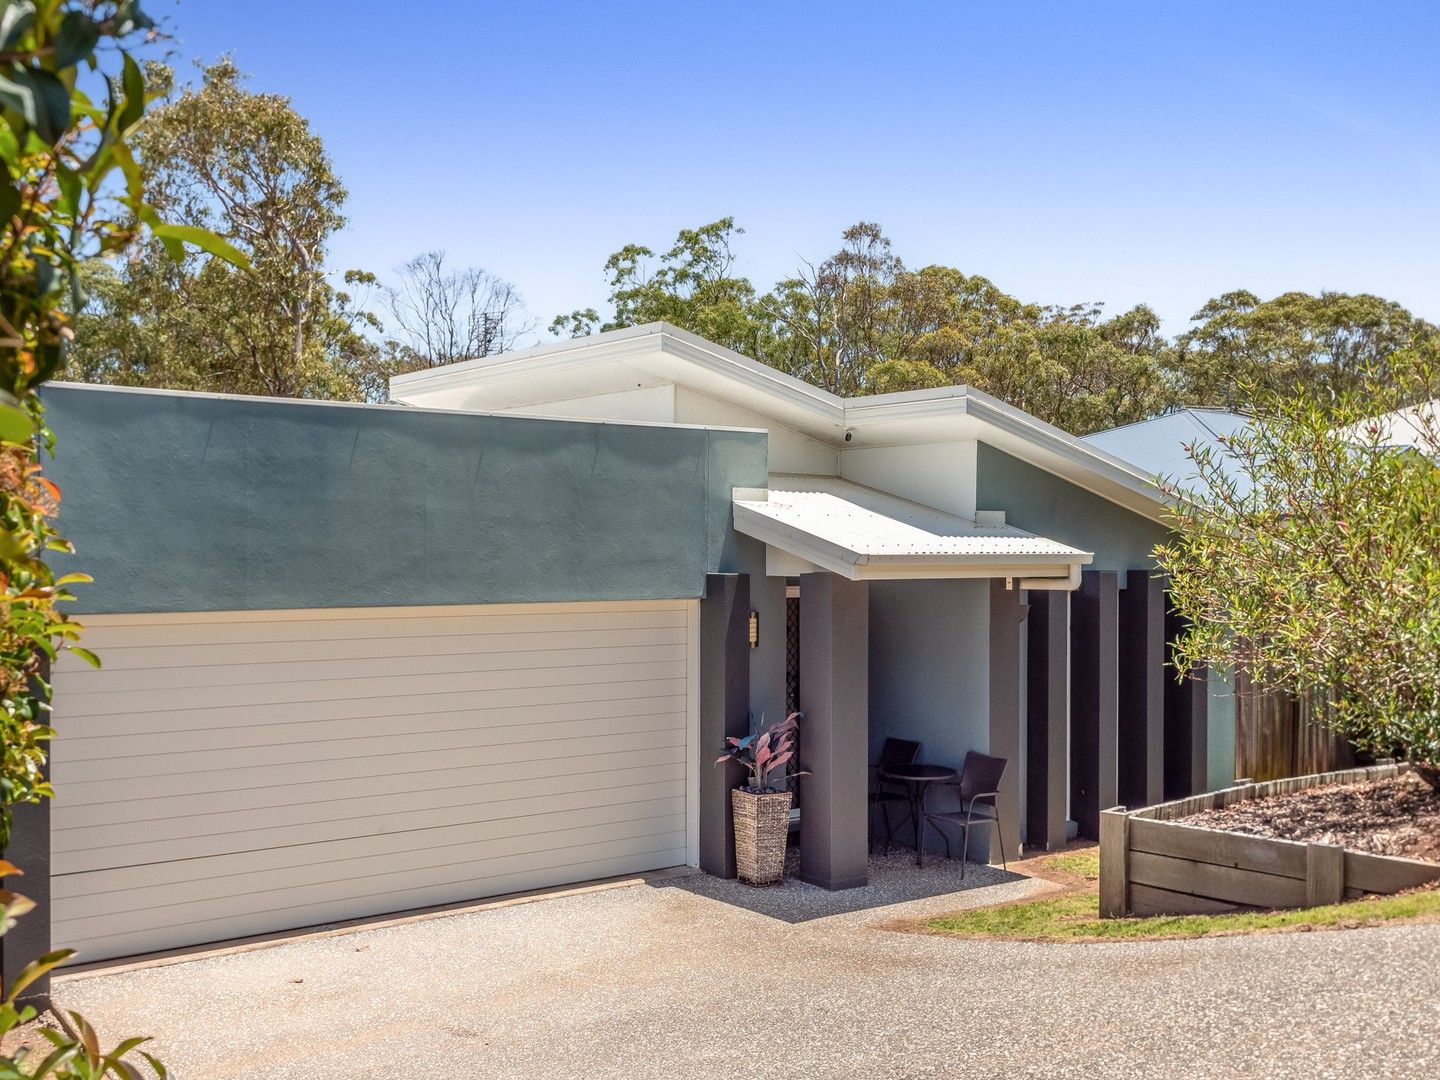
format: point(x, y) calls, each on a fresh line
point(1042, 503)
point(1220, 729)
point(182, 502)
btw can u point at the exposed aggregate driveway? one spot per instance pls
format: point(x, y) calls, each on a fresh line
point(663, 981)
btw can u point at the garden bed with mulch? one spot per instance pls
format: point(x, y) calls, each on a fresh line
point(1396, 816)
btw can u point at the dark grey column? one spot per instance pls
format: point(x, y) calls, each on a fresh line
point(1142, 690)
point(724, 711)
point(29, 940)
point(1006, 615)
point(1047, 714)
point(835, 730)
point(1186, 721)
point(1094, 698)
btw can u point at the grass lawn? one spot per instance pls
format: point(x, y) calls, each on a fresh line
point(1074, 914)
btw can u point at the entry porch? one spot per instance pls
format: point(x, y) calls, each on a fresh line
point(959, 634)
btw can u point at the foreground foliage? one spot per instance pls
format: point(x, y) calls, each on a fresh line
point(60, 150)
point(74, 1051)
point(1075, 915)
point(72, 192)
point(1306, 553)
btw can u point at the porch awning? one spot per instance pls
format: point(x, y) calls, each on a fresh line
point(827, 523)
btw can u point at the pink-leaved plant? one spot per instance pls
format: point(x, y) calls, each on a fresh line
point(765, 753)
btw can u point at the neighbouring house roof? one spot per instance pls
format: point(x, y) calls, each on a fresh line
point(1158, 445)
point(1416, 426)
point(863, 534)
point(659, 354)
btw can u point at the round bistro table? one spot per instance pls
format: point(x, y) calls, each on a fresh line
point(915, 778)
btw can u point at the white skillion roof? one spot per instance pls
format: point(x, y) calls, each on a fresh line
point(861, 533)
point(656, 354)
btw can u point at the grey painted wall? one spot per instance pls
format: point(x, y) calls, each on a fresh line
point(929, 670)
point(181, 502)
point(767, 662)
point(1040, 502)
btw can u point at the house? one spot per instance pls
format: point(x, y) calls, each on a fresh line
point(361, 659)
point(1414, 427)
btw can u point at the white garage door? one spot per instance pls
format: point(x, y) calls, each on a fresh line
point(228, 774)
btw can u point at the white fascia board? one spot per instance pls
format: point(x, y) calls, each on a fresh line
point(803, 545)
point(536, 356)
point(667, 353)
point(1085, 466)
point(815, 412)
point(975, 414)
point(1057, 577)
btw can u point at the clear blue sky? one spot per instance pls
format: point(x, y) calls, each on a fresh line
point(1150, 152)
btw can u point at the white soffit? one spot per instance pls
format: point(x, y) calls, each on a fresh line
point(657, 354)
point(864, 534)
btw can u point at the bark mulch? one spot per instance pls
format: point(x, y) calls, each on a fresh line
point(1399, 816)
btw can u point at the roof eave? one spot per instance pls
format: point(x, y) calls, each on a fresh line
point(819, 413)
point(870, 566)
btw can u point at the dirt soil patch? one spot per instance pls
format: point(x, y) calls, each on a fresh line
point(1397, 816)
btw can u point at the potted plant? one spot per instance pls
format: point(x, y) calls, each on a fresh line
point(762, 810)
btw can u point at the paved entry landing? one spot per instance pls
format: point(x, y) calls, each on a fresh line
point(894, 880)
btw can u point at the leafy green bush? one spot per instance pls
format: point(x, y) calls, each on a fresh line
point(1308, 556)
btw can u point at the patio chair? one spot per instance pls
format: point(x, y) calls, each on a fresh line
point(892, 752)
point(978, 785)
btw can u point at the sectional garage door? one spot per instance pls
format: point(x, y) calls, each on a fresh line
point(237, 773)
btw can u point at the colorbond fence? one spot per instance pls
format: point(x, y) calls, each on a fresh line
point(1152, 865)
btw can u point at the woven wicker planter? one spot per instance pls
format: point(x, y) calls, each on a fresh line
point(762, 824)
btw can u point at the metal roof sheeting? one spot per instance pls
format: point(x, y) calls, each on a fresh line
point(837, 524)
point(1158, 445)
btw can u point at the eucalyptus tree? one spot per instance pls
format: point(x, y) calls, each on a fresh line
point(1329, 343)
point(246, 165)
point(691, 285)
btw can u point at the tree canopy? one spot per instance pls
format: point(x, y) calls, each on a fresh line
point(247, 166)
point(858, 321)
point(861, 321)
point(1331, 343)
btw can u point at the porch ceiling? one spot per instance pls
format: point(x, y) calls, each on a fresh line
point(865, 534)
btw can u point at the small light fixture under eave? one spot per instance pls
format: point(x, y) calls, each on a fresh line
point(754, 629)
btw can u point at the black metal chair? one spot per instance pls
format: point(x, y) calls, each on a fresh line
point(978, 784)
point(892, 752)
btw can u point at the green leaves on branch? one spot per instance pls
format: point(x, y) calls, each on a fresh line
point(60, 151)
point(203, 239)
point(1307, 554)
point(41, 99)
point(74, 1051)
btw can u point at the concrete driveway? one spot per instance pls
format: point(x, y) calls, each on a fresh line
point(663, 980)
